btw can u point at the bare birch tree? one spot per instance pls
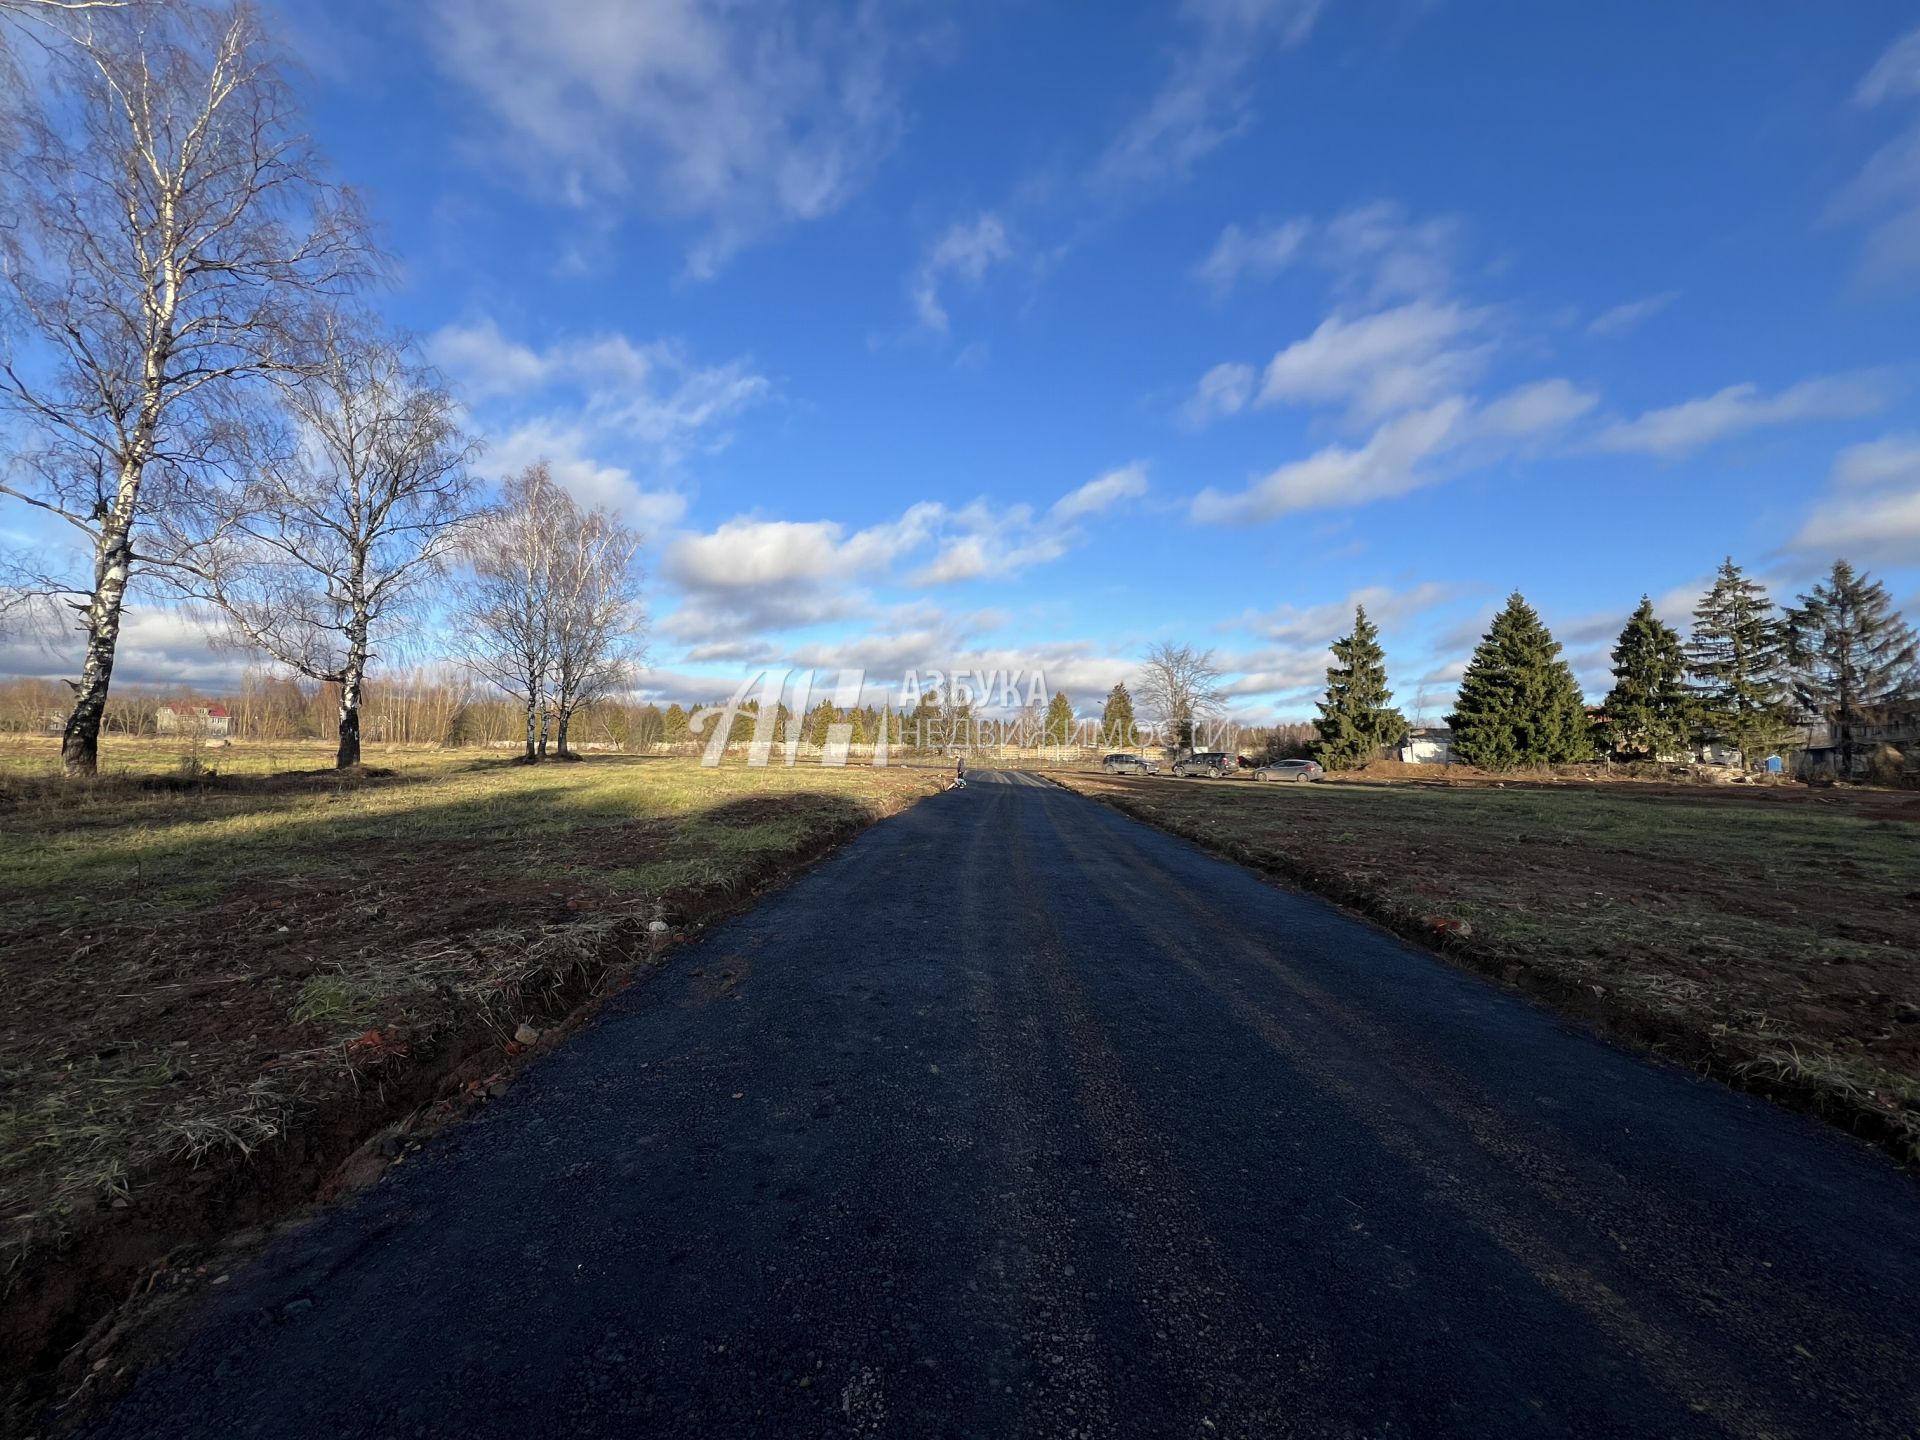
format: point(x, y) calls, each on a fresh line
point(330, 538)
point(595, 613)
point(1181, 687)
point(167, 222)
point(502, 607)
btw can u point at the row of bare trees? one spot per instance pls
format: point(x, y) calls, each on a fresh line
point(208, 405)
point(549, 609)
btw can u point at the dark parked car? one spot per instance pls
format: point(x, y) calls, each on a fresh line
point(1214, 764)
point(1290, 770)
point(1130, 765)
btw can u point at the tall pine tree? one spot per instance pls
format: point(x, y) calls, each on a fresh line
point(1059, 729)
point(1851, 655)
point(1116, 721)
point(928, 727)
point(1649, 709)
point(1737, 658)
point(1355, 719)
point(1518, 702)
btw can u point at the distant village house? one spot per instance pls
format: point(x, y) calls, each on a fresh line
point(212, 721)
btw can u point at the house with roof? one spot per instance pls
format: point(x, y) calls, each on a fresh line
point(212, 721)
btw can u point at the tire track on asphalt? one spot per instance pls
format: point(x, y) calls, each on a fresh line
point(1693, 1379)
point(1242, 1379)
point(1712, 1283)
point(1049, 1301)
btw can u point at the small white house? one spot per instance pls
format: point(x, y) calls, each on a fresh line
point(212, 721)
point(1427, 746)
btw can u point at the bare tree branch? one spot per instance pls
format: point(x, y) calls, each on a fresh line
point(501, 612)
point(1180, 686)
point(364, 500)
point(172, 229)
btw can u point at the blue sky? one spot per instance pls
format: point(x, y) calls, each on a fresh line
point(1011, 335)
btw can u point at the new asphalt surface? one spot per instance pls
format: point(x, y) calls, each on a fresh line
point(1018, 1118)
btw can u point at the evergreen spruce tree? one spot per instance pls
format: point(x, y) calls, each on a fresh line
point(1116, 721)
point(1355, 719)
point(1059, 729)
point(745, 721)
point(1850, 654)
point(1737, 658)
point(1649, 710)
point(925, 725)
point(673, 724)
point(1518, 702)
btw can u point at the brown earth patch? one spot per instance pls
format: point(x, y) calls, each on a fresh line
point(233, 995)
point(1768, 936)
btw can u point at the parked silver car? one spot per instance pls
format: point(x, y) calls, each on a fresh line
point(1124, 764)
point(1214, 764)
point(1289, 770)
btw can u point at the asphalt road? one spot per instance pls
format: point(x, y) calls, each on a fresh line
point(1016, 1117)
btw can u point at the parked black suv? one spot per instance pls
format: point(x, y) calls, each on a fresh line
point(1214, 764)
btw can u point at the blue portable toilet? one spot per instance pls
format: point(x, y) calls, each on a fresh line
point(1775, 765)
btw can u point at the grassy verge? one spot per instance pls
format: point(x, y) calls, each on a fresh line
point(218, 987)
point(1773, 941)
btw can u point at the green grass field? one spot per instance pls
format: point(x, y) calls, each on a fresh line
point(1772, 936)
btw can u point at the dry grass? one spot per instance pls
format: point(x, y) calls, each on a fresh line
point(196, 968)
point(1774, 940)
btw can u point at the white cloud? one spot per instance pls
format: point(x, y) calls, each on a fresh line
point(583, 401)
point(1390, 463)
point(1894, 76)
point(753, 577)
point(1632, 315)
point(651, 393)
point(1257, 254)
point(1405, 453)
point(1204, 101)
point(1102, 494)
point(1884, 526)
point(1871, 511)
point(486, 362)
point(1378, 253)
point(753, 554)
point(565, 449)
point(159, 648)
point(1885, 195)
point(965, 252)
point(741, 116)
point(1408, 371)
point(981, 542)
point(1375, 253)
point(1888, 460)
point(1534, 408)
point(1373, 364)
point(1224, 390)
point(1678, 429)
